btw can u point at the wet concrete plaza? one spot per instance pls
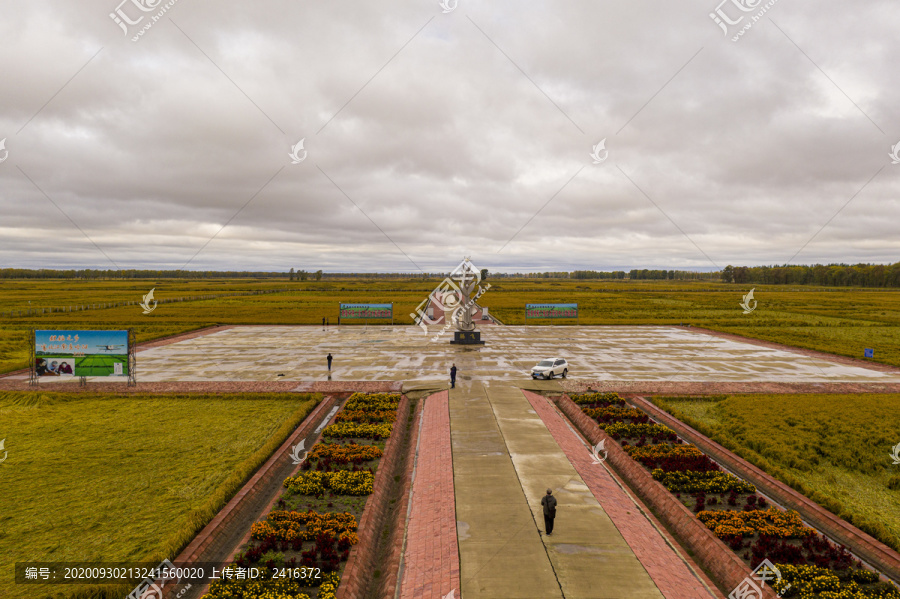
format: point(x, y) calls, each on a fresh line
point(406, 353)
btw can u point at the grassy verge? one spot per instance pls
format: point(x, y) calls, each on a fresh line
point(108, 478)
point(832, 448)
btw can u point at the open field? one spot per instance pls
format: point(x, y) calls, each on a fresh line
point(840, 321)
point(109, 478)
point(835, 449)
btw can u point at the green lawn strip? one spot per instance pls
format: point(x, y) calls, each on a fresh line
point(834, 449)
point(102, 477)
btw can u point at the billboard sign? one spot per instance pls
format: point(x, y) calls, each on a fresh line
point(81, 353)
point(367, 311)
point(551, 310)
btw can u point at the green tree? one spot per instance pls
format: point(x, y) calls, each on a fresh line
point(484, 273)
point(728, 274)
point(292, 274)
point(318, 275)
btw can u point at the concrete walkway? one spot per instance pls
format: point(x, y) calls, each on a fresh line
point(504, 459)
point(501, 553)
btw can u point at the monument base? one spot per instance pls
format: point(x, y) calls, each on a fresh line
point(467, 338)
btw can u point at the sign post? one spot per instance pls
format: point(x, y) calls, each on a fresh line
point(366, 311)
point(82, 354)
point(551, 311)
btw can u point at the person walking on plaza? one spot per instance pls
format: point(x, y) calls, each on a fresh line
point(453, 376)
point(323, 322)
point(549, 504)
point(329, 358)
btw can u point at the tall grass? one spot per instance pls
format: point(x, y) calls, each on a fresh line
point(103, 477)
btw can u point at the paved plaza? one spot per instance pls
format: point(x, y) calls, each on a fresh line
point(406, 353)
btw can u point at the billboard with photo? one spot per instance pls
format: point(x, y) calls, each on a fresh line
point(367, 311)
point(81, 353)
point(551, 310)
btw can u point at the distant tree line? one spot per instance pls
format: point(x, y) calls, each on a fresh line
point(88, 273)
point(834, 275)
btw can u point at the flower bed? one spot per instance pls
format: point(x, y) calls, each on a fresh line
point(342, 482)
point(658, 432)
point(771, 522)
point(316, 520)
point(686, 481)
point(813, 566)
point(616, 414)
point(373, 402)
point(339, 454)
point(234, 588)
point(357, 430)
point(671, 457)
point(306, 526)
point(365, 416)
point(596, 400)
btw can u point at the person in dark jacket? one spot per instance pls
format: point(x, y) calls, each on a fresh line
point(453, 376)
point(329, 358)
point(549, 504)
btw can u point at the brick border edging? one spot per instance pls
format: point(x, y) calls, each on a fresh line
point(234, 508)
point(391, 563)
point(363, 556)
point(862, 544)
point(725, 568)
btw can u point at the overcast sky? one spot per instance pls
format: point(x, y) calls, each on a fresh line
point(432, 135)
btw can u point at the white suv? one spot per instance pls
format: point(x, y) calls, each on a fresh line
point(549, 368)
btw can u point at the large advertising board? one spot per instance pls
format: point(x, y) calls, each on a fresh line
point(551, 310)
point(81, 353)
point(367, 311)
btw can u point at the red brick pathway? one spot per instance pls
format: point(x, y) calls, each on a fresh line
point(431, 561)
point(668, 571)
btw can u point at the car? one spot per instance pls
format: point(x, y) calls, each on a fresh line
point(549, 368)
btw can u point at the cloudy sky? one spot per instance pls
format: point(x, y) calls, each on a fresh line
point(431, 135)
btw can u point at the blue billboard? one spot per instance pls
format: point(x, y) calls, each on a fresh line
point(81, 353)
point(551, 310)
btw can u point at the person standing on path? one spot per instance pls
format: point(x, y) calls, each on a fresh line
point(549, 504)
point(453, 376)
point(323, 322)
point(329, 358)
